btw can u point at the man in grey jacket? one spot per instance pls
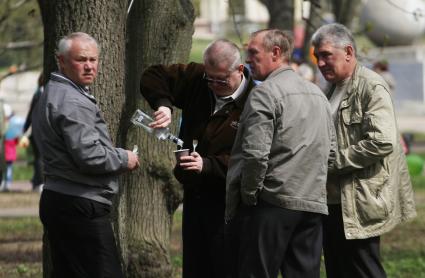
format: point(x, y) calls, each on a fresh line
point(81, 166)
point(276, 192)
point(369, 189)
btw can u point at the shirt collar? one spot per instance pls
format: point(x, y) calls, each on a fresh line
point(84, 90)
point(237, 93)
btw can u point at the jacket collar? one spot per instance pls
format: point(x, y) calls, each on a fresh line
point(354, 81)
point(351, 86)
point(240, 101)
point(59, 77)
point(279, 70)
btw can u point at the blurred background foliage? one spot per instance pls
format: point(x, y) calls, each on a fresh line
point(21, 33)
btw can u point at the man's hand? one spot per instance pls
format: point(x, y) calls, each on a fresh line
point(192, 162)
point(162, 117)
point(133, 160)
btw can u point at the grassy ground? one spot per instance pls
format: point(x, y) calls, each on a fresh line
point(403, 249)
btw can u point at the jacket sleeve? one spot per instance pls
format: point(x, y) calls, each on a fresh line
point(213, 167)
point(169, 85)
point(91, 152)
point(258, 120)
point(379, 134)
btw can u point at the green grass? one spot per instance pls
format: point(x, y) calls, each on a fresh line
point(20, 247)
point(403, 249)
point(198, 47)
point(22, 228)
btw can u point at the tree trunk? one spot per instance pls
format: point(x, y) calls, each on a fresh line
point(281, 13)
point(105, 21)
point(345, 11)
point(312, 24)
point(159, 32)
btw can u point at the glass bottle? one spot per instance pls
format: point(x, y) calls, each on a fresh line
point(143, 120)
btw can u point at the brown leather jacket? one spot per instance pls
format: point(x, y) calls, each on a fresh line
point(183, 86)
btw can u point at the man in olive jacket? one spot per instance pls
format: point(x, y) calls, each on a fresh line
point(369, 188)
point(211, 97)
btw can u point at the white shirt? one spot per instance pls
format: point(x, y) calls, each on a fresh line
point(221, 101)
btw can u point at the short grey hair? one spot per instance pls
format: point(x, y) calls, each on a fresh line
point(65, 43)
point(220, 51)
point(336, 34)
point(280, 38)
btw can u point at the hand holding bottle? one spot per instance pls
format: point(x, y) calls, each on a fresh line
point(162, 117)
point(146, 122)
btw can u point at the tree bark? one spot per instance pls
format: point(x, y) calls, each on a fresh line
point(159, 32)
point(312, 24)
point(281, 13)
point(105, 21)
point(345, 11)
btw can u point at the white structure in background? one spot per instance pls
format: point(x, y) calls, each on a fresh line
point(395, 22)
point(397, 25)
point(17, 90)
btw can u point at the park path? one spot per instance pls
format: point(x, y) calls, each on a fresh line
point(19, 186)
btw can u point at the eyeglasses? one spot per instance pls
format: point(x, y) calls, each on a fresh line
point(221, 82)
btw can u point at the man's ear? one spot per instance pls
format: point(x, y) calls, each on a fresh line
point(349, 50)
point(61, 61)
point(276, 53)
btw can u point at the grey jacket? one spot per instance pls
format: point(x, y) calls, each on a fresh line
point(282, 146)
point(78, 155)
point(370, 167)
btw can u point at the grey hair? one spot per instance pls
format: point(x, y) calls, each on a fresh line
point(220, 51)
point(336, 34)
point(280, 38)
point(65, 43)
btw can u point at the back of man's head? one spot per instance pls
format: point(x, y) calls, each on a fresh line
point(336, 34)
point(222, 51)
point(280, 38)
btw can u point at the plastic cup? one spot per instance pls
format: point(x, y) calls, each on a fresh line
point(180, 153)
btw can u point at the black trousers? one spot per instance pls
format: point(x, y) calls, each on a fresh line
point(203, 239)
point(274, 239)
point(356, 258)
point(81, 239)
point(37, 178)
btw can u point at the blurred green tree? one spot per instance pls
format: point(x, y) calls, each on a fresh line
point(21, 34)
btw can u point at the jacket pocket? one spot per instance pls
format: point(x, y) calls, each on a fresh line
point(373, 199)
point(352, 120)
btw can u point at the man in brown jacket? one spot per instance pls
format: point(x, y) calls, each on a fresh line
point(211, 96)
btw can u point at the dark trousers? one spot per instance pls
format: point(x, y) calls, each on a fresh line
point(203, 221)
point(81, 240)
point(274, 239)
point(356, 258)
point(37, 178)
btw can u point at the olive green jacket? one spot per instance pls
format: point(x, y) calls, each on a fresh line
point(370, 166)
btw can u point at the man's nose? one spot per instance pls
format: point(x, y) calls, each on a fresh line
point(88, 65)
point(320, 62)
